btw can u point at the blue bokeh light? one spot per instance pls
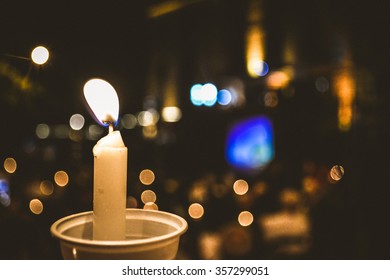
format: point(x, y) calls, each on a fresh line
point(261, 68)
point(224, 97)
point(204, 94)
point(5, 199)
point(249, 145)
point(196, 94)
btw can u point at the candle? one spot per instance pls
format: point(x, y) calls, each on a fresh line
point(110, 164)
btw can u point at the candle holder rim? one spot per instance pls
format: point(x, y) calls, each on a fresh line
point(134, 242)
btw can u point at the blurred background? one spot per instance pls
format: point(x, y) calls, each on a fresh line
point(262, 123)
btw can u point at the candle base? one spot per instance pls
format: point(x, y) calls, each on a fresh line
point(149, 235)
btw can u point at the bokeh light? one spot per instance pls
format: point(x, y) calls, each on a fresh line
point(150, 206)
point(196, 211)
point(40, 55)
point(255, 51)
point(209, 94)
point(10, 165)
point(148, 196)
point(204, 94)
point(336, 172)
point(278, 79)
point(61, 131)
point(129, 121)
point(196, 95)
point(76, 121)
point(147, 177)
point(224, 97)
point(271, 99)
point(94, 132)
point(148, 118)
point(61, 178)
point(289, 197)
point(258, 67)
point(36, 206)
point(150, 131)
point(46, 187)
point(322, 84)
point(131, 202)
point(5, 199)
point(240, 187)
point(42, 131)
point(249, 144)
point(245, 218)
point(210, 245)
point(171, 114)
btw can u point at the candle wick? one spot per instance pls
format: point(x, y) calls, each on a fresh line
point(110, 128)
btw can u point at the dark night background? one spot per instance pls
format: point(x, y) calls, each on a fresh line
point(203, 41)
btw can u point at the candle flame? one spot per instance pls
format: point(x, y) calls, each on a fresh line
point(102, 100)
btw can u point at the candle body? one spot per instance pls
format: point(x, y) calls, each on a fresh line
point(110, 188)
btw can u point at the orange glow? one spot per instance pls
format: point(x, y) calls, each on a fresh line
point(46, 187)
point(310, 184)
point(61, 178)
point(278, 79)
point(150, 206)
point(196, 211)
point(148, 196)
point(240, 187)
point(345, 88)
point(336, 173)
point(198, 192)
point(284, 224)
point(245, 218)
point(36, 206)
point(146, 177)
point(10, 165)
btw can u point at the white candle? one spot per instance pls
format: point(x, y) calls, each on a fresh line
point(110, 165)
point(109, 195)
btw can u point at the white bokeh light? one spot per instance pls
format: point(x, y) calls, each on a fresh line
point(40, 55)
point(76, 122)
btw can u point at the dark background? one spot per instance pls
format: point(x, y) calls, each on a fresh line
point(205, 40)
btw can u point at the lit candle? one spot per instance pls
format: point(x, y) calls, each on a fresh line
point(110, 164)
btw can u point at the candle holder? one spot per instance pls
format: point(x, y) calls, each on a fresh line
point(150, 234)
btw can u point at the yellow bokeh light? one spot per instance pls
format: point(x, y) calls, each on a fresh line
point(240, 187)
point(150, 206)
point(40, 55)
point(255, 50)
point(171, 114)
point(196, 211)
point(36, 206)
point(61, 178)
point(146, 177)
point(46, 187)
point(148, 196)
point(245, 218)
point(10, 165)
point(150, 131)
